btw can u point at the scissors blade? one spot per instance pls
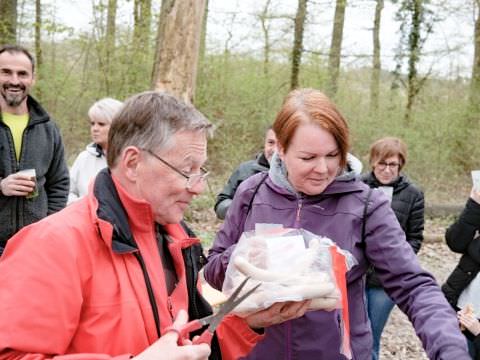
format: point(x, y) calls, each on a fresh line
point(230, 304)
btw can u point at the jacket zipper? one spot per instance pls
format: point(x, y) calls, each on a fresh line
point(299, 209)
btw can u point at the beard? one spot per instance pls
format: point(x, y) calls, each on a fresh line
point(14, 100)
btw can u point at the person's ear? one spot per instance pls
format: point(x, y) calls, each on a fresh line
point(130, 160)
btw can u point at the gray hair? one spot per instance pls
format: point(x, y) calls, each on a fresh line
point(105, 109)
point(149, 120)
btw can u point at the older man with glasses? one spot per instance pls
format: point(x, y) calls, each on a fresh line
point(111, 274)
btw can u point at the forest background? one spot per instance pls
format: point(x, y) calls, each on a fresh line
point(424, 86)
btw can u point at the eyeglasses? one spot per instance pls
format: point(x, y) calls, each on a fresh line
point(382, 165)
point(192, 180)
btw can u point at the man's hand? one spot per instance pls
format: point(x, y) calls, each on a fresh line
point(469, 321)
point(167, 347)
point(17, 185)
point(277, 313)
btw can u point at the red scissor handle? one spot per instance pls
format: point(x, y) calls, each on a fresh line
point(205, 338)
point(185, 330)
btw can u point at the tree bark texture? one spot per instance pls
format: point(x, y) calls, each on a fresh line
point(178, 43)
point(336, 47)
point(263, 17)
point(475, 82)
point(110, 42)
point(8, 22)
point(414, 45)
point(38, 33)
point(298, 42)
point(142, 14)
point(376, 63)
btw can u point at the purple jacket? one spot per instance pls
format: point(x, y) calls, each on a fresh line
point(337, 213)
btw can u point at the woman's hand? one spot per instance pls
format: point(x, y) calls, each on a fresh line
point(277, 313)
point(167, 347)
point(469, 321)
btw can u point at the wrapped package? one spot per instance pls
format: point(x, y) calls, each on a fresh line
point(291, 265)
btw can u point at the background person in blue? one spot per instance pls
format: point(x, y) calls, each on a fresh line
point(388, 157)
point(308, 188)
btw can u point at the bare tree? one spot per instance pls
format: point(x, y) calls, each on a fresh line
point(298, 42)
point(142, 15)
point(38, 44)
point(110, 41)
point(263, 17)
point(376, 65)
point(8, 21)
point(416, 23)
point(475, 82)
point(336, 47)
point(175, 67)
point(203, 36)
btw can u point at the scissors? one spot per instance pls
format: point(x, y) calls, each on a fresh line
point(212, 320)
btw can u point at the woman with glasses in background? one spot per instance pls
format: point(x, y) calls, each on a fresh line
point(388, 156)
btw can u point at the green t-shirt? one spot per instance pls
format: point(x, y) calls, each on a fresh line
point(17, 124)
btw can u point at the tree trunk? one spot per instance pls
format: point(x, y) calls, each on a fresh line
point(266, 37)
point(8, 22)
point(142, 14)
point(38, 45)
point(475, 82)
point(203, 36)
point(336, 47)
point(175, 66)
point(110, 43)
point(298, 42)
point(376, 65)
point(414, 56)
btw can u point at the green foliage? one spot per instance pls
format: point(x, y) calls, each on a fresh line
point(241, 100)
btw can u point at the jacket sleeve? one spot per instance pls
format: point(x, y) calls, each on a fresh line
point(42, 294)
point(57, 177)
point(461, 232)
point(229, 234)
point(236, 338)
point(415, 223)
point(413, 289)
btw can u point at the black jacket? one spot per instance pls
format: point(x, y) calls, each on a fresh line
point(462, 238)
point(242, 172)
point(42, 149)
point(408, 204)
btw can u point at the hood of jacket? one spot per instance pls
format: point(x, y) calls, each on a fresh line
point(278, 174)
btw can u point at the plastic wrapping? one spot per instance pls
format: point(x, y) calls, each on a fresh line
point(292, 265)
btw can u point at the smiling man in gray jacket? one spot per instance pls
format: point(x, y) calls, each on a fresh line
point(29, 139)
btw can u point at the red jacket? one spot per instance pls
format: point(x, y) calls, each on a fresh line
point(69, 287)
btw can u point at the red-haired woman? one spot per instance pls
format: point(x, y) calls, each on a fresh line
point(307, 187)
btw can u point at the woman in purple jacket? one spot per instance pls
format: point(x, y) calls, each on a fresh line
point(307, 188)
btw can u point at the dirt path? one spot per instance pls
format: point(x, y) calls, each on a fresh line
point(399, 341)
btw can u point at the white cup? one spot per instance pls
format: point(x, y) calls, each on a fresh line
point(476, 179)
point(33, 176)
point(387, 190)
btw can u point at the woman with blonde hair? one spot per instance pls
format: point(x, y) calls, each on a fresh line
point(93, 159)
